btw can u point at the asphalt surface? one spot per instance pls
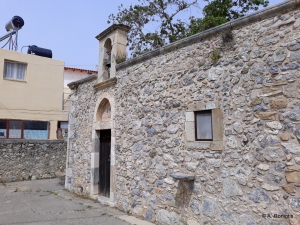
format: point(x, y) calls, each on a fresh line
point(44, 202)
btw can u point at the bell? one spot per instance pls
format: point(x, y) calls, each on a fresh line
point(108, 61)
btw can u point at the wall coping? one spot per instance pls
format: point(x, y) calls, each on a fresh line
point(13, 141)
point(111, 29)
point(105, 84)
point(75, 84)
point(246, 20)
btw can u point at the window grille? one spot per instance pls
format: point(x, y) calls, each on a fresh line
point(35, 130)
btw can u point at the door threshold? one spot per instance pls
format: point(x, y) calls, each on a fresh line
point(105, 201)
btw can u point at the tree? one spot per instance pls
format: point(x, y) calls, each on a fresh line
point(217, 12)
point(166, 12)
point(232, 9)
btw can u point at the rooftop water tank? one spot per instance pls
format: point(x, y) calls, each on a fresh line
point(35, 50)
point(15, 23)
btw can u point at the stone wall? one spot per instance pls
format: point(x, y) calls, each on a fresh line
point(252, 75)
point(29, 159)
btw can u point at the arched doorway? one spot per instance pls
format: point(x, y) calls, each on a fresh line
point(104, 115)
point(103, 152)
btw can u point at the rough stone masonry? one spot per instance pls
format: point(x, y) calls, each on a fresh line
point(251, 76)
point(31, 159)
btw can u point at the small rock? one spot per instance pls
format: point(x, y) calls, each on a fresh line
point(151, 132)
point(284, 136)
point(279, 55)
point(270, 187)
point(172, 129)
point(237, 127)
point(295, 56)
point(209, 208)
point(293, 115)
point(230, 188)
point(192, 222)
point(274, 69)
point(263, 167)
point(256, 101)
point(289, 188)
point(278, 103)
point(267, 115)
point(291, 147)
point(246, 220)
point(259, 195)
point(274, 125)
point(195, 206)
point(292, 177)
point(232, 142)
point(293, 168)
point(228, 218)
point(169, 180)
point(149, 214)
point(297, 160)
point(293, 47)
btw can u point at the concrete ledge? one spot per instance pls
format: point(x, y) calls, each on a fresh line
point(205, 145)
point(183, 176)
point(105, 84)
point(202, 106)
point(134, 220)
point(75, 84)
point(243, 21)
point(12, 141)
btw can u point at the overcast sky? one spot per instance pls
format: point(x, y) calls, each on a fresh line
point(67, 27)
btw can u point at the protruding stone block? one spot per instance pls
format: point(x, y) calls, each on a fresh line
point(183, 176)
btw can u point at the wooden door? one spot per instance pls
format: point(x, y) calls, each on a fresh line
point(104, 165)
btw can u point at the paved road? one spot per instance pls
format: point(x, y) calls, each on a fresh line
point(44, 202)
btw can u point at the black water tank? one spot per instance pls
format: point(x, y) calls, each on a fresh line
point(15, 23)
point(35, 50)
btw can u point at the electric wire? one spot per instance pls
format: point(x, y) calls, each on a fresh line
point(8, 110)
point(6, 42)
point(24, 46)
point(50, 64)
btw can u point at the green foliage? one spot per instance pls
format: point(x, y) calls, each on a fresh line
point(161, 12)
point(119, 58)
point(232, 9)
point(170, 28)
point(215, 54)
point(198, 25)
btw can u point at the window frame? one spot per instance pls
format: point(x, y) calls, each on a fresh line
point(59, 129)
point(217, 127)
point(211, 124)
point(23, 128)
point(17, 62)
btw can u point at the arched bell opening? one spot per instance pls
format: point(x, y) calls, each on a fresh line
point(107, 58)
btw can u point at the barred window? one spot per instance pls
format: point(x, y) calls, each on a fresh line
point(14, 70)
